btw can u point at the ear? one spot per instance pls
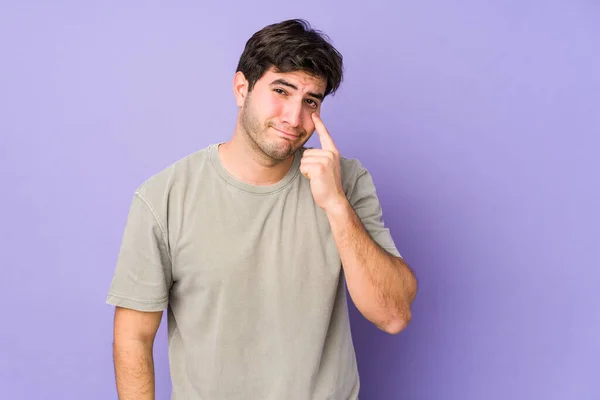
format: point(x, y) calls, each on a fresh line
point(240, 88)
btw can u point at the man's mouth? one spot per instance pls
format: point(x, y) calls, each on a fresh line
point(286, 133)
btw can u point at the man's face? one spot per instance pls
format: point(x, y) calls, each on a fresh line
point(276, 114)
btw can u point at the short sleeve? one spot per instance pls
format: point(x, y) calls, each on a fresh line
point(365, 202)
point(143, 275)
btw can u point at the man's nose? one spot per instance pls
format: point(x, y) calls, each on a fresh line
point(293, 114)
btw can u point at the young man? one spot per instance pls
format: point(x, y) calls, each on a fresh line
point(249, 245)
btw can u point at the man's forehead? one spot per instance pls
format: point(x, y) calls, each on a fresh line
point(304, 81)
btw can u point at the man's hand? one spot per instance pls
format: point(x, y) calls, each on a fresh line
point(322, 168)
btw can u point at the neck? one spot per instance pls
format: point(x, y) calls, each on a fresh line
point(248, 164)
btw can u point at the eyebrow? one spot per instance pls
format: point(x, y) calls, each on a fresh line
point(283, 82)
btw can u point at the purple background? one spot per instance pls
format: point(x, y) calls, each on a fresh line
point(480, 123)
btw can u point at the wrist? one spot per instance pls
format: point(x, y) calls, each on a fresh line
point(338, 207)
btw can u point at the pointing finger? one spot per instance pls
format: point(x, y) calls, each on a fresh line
point(324, 136)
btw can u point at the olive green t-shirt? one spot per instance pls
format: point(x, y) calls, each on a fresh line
point(251, 278)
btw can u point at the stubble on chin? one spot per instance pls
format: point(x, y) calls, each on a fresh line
point(257, 135)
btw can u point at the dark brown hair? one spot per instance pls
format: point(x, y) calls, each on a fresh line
point(289, 46)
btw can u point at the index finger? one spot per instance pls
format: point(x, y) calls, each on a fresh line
point(324, 136)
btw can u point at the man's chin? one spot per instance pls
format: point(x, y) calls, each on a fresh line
point(281, 153)
point(281, 156)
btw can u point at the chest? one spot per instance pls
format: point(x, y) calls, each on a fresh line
point(228, 238)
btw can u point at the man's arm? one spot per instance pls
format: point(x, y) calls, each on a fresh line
point(134, 333)
point(382, 286)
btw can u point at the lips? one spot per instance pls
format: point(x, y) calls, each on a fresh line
point(286, 134)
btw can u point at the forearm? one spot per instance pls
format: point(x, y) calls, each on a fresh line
point(381, 285)
point(134, 370)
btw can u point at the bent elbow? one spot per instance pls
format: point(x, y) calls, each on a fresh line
point(397, 323)
point(395, 327)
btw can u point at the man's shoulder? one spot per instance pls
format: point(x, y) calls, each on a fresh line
point(351, 165)
point(351, 169)
point(179, 172)
point(352, 173)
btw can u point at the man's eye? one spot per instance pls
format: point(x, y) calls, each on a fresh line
point(280, 91)
point(311, 103)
